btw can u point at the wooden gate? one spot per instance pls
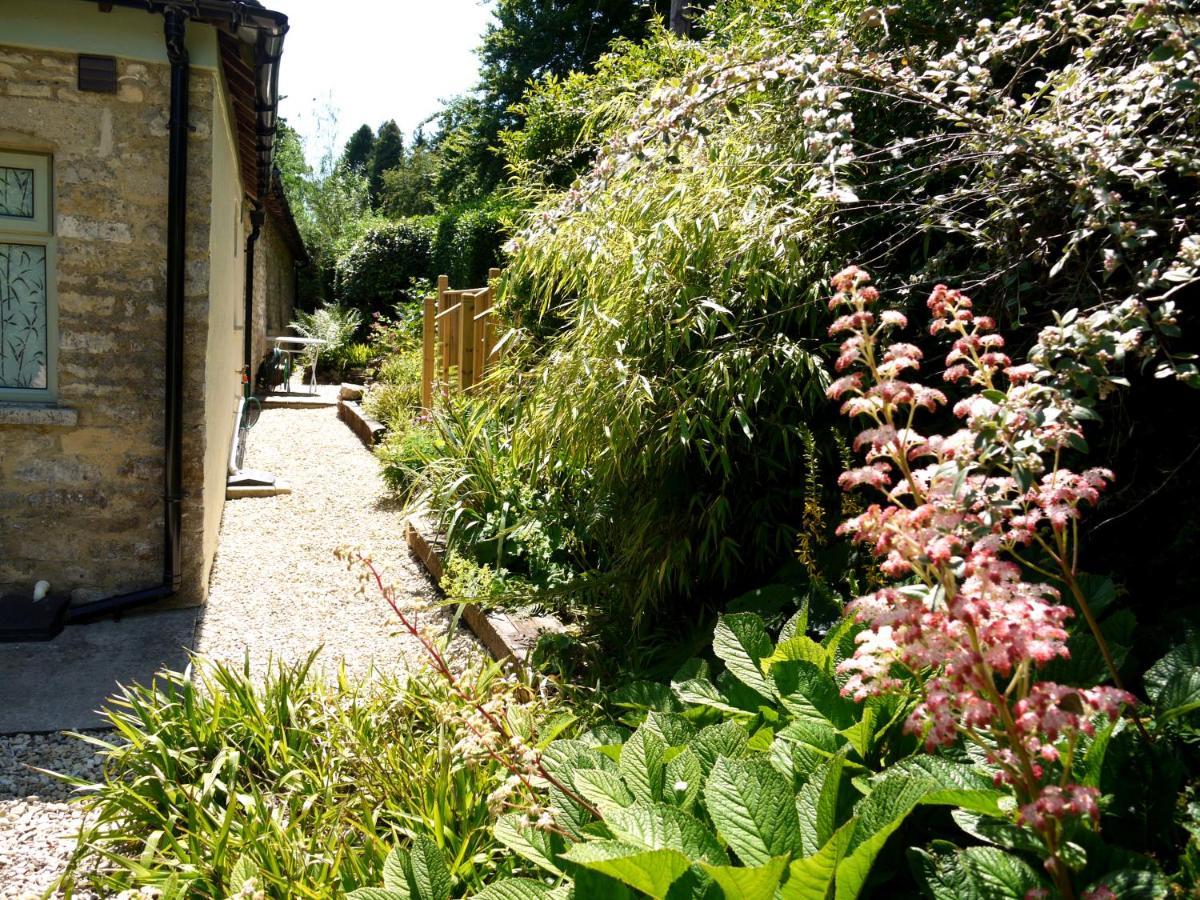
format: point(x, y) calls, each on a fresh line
point(459, 338)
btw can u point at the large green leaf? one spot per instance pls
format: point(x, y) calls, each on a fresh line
point(428, 871)
point(819, 735)
point(642, 765)
point(724, 739)
point(702, 692)
point(374, 893)
point(664, 827)
point(395, 870)
point(563, 759)
point(810, 694)
point(534, 844)
point(799, 647)
point(1135, 884)
point(1173, 683)
point(816, 805)
point(796, 761)
point(674, 730)
point(741, 642)
point(811, 878)
point(683, 780)
point(649, 871)
point(748, 882)
point(754, 809)
point(977, 873)
point(604, 790)
point(515, 889)
point(917, 780)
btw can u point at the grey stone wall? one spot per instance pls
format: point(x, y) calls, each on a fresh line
point(274, 287)
point(81, 503)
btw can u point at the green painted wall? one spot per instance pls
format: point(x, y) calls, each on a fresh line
point(77, 27)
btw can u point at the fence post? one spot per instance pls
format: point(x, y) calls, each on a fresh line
point(443, 328)
point(466, 341)
point(429, 323)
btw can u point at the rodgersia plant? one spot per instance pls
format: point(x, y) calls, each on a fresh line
point(965, 518)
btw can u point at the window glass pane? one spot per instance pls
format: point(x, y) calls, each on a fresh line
point(16, 192)
point(24, 346)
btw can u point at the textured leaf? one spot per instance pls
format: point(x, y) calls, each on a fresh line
point(514, 889)
point(1000, 832)
point(1135, 884)
point(1173, 683)
point(395, 870)
point(563, 759)
point(892, 798)
point(977, 873)
point(754, 809)
point(725, 739)
point(533, 844)
point(642, 765)
point(660, 827)
point(374, 893)
point(741, 642)
point(243, 870)
point(816, 805)
point(702, 692)
point(810, 694)
point(684, 770)
point(999, 874)
point(797, 624)
point(748, 882)
point(644, 695)
point(810, 878)
point(604, 790)
point(430, 874)
point(648, 871)
point(819, 736)
point(674, 730)
point(800, 647)
point(795, 761)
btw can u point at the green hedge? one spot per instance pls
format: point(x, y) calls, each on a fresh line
point(391, 264)
point(468, 243)
point(386, 267)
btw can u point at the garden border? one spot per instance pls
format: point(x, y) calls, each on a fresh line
point(506, 637)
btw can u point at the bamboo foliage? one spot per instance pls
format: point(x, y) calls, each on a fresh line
point(458, 339)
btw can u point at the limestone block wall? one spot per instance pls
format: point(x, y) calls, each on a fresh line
point(274, 287)
point(81, 500)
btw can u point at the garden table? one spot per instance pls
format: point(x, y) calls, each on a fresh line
point(298, 346)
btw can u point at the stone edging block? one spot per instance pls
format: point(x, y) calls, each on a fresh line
point(506, 637)
point(369, 430)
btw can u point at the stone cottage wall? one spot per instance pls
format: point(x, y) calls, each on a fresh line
point(274, 287)
point(81, 499)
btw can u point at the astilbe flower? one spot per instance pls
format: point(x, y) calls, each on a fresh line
point(957, 510)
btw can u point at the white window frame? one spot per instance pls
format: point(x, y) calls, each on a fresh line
point(36, 230)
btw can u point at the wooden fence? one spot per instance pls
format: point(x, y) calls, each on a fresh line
point(460, 343)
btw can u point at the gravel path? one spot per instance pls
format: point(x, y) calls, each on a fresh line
point(277, 592)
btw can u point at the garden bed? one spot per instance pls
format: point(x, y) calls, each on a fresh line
point(506, 636)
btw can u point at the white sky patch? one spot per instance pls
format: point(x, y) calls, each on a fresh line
point(374, 60)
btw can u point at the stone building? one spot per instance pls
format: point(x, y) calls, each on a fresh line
point(145, 250)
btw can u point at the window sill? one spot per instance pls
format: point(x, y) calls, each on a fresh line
point(38, 415)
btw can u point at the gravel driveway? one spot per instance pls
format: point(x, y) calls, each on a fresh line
point(277, 592)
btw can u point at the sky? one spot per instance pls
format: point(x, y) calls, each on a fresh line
point(374, 60)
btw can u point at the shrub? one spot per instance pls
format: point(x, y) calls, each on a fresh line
point(404, 454)
point(395, 398)
point(299, 784)
point(336, 325)
point(387, 267)
point(468, 242)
